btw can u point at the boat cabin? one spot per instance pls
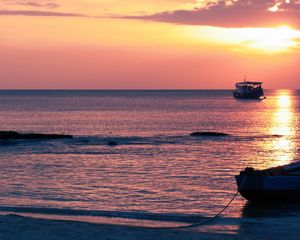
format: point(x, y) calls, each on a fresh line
point(247, 86)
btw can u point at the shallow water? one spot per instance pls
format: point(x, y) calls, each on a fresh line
point(157, 170)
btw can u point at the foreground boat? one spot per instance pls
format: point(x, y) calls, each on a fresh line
point(248, 90)
point(278, 184)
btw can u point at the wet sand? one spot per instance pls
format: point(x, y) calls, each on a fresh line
point(15, 227)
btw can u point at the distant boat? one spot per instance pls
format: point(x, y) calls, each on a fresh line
point(278, 184)
point(248, 90)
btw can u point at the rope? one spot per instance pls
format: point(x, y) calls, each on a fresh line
point(207, 221)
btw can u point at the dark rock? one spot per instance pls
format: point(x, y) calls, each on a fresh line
point(208, 134)
point(112, 143)
point(5, 135)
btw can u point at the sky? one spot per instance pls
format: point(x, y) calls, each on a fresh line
point(148, 44)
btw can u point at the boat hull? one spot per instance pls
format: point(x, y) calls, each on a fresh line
point(248, 97)
point(263, 195)
point(269, 188)
point(251, 95)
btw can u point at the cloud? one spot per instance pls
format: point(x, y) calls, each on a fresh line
point(31, 9)
point(33, 3)
point(39, 13)
point(234, 13)
point(220, 13)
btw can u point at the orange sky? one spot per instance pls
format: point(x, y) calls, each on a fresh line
point(165, 44)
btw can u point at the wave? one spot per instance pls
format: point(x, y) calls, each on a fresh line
point(263, 137)
point(174, 139)
point(99, 145)
point(132, 140)
point(114, 141)
point(138, 215)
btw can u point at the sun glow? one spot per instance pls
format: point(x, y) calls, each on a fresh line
point(284, 122)
point(277, 39)
point(270, 40)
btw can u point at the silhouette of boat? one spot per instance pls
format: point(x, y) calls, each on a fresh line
point(248, 90)
point(278, 184)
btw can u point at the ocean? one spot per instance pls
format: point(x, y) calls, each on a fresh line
point(157, 171)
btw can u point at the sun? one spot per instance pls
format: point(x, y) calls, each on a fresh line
point(269, 40)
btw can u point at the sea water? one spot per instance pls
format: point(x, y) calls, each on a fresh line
point(157, 171)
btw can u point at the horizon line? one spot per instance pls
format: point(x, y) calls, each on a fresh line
point(131, 89)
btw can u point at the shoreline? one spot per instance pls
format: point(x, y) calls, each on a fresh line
point(13, 227)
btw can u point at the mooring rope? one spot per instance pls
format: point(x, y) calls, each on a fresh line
point(204, 222)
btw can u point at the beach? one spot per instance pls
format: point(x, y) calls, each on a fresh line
point(13, 227)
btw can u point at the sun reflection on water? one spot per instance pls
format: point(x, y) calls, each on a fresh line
point(283, 128)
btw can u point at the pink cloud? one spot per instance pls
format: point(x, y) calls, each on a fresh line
point(222, 13)
point(36, 13)
point(241, 13)
point(33, 3)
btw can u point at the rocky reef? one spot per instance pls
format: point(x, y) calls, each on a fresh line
point(7, 135)
point(208, 134)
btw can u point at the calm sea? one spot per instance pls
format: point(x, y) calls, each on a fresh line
point(157, 170)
